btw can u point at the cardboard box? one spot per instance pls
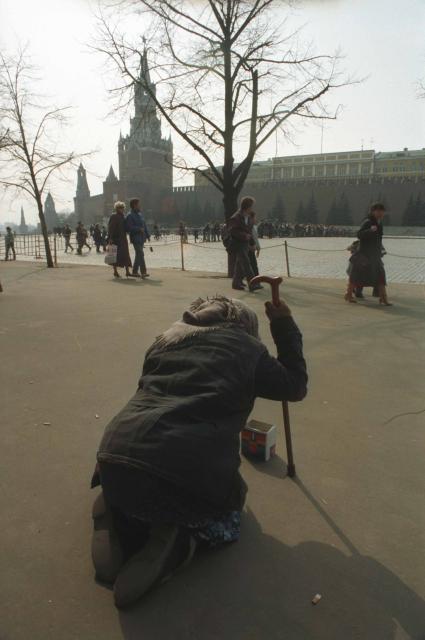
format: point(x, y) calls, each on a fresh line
point(258, 440)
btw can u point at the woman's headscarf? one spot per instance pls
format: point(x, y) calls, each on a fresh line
point(209, 315)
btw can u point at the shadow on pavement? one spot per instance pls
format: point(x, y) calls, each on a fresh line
point(137, 282)
point(261, 588)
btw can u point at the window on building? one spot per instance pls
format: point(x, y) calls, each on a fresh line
point(319, 172)
point(365, 169)
point(286, 172)
point(354, 169)
point(308, 172)
point(330, 170)
point(342, 170)
point(298, 172)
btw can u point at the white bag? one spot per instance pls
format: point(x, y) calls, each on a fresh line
point(111, 254)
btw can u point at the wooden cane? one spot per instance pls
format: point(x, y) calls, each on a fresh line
point(274, 282)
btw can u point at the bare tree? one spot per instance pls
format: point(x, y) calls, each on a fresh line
point(28, 155)
point(228, 75)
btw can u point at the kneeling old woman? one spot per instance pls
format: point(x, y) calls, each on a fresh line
point(169, 462)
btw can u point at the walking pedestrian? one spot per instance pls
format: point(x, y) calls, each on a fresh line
point(367, 268)
point(254, 244)
point(97, 237)
point(67, 235)
point(82, 235)
point(136, 227)
point(239, 228)
point(118, 236)
point(104, 238)
point(9, 241)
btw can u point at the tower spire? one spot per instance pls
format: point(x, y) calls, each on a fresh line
point(23, 227)
point(83, 190)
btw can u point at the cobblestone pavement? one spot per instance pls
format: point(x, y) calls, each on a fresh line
point(308, 257)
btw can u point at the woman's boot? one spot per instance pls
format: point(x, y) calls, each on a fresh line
point(383, 296)
point(349, 295)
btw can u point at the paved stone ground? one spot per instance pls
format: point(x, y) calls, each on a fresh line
point(350, 527)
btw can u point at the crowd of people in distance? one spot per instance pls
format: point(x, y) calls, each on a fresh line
point(274, 229)
point(99, 236)
point(213, 231)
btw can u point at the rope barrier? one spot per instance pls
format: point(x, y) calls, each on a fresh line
point(201, 246)
point(395, 255)
point(291, 246)
point(164, 244)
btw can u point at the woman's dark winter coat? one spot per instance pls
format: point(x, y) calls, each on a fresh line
point(118, 236)
point(367, 268)
point(194, 398)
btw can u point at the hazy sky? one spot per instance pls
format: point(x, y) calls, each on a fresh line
point(381, 39)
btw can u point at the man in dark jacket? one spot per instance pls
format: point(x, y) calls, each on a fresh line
point(136, 227)
point(97, 237)
point(169, 461)
point(239, 229)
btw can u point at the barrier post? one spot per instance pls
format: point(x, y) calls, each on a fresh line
point(37, 248)
point(288, 272)
point(181, 250)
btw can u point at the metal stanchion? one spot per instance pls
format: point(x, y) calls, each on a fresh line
point(37, 249)
point(182, 251)
point(288, 272)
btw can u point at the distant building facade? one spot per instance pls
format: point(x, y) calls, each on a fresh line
point(283, 186)
point(346, 165)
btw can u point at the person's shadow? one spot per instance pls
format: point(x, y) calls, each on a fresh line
point(261, 589)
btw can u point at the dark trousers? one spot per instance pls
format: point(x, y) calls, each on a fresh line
point(253, 261)
point(139, 259)
point(243, 267)
point(68, 245)
point(10, 247)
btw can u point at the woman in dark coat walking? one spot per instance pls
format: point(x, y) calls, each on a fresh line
point(367, 268)
point(169, 461)
point(118, 236)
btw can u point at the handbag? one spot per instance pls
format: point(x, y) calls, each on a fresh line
point(111, 254)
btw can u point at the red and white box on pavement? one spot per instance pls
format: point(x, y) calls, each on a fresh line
point(258, 440)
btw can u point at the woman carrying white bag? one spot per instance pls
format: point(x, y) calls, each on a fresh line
point(117, 253)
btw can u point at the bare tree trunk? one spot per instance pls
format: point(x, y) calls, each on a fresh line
point(230, 201)
point(49, 259)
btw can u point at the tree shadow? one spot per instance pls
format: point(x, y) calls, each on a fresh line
point(262, 588)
